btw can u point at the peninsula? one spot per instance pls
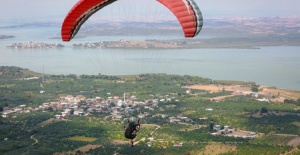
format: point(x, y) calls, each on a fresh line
point(6, 37)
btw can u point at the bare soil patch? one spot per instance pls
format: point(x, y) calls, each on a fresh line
point(288, 94)
point(218, 88)
point(82, 138)
point(295, 142)
point(218, 98)
point(118, 142)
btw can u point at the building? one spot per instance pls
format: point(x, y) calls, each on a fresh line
point(5, 115)
point(177, 144)
point(217, 127)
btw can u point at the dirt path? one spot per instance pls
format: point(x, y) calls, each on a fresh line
point(142, 139)
point(291, 152)
point(295, 142)
point(220, 97)
point(218, 88)
point(35, 140)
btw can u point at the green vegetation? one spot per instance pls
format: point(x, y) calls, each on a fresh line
point(39, 132)
point(82, 138)
point(272, 139)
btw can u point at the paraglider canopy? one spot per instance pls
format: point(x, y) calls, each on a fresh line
point(186, 11)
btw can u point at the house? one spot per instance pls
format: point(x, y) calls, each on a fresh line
point(57, 116)
point(164, 116)
point(171, 106)
point(17, 110)
point(81, 98)
point(69, 98)
point(216, 134)
point(188, 120)
point(177, 144)
point(5, 115)
point(217, 127)
point(162, 100)
point(203, 118)
point(78, 112)
point(151, 139)
point(173, 119)
point(118, 117)
point(22, 106)
point(64, 114)
point(188, 91)
point(229, 128)
point(263, 100)
point(141, 116)
point(278, 99)
point(149, 144)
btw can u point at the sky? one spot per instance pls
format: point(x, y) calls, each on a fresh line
point(22, 10)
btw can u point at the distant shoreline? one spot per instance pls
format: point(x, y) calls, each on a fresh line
point(212, 43)
point(6, 37)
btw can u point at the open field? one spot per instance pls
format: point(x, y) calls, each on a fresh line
point(278, 139)
point(218, 88)
point(266, 91)
point(288, 94)
point(296, 123)
point(50, 120)
point(218, 148)
point(82, 138)
point(81, 149)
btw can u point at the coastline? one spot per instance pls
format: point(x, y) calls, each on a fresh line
point(217, 43)
point(6, 36)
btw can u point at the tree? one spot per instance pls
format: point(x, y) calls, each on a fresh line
point(50, 109)
point(264, 110)
point(211, 126)
point(254, 88)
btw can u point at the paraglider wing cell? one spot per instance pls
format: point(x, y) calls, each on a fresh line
point(188, 15)
point(81, 11)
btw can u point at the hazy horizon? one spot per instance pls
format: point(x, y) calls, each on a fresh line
point(36, 10)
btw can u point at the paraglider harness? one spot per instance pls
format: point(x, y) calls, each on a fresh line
point(132, 129)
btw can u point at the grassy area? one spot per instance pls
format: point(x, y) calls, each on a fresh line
point(28, 72)
point(296, 123)
point(289, 94)
point(218, 148)
point(231, 82)
point(50, 120)
point(82, 138)
point(273, 139)
point(7, 86)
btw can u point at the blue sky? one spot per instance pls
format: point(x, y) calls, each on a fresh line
point(22, 10)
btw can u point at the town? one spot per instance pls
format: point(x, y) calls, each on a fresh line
point(32, 45)
point(142, 44)
point(122, 108)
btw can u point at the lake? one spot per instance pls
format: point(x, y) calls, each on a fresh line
point(270, 66)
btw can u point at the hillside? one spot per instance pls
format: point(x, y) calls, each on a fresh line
point(86, 114)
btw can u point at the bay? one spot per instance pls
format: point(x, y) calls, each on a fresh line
point(271, 66)
point(277, 66)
